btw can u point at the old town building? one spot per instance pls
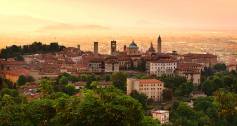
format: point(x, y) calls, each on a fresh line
point(207, 60)
point(163, 67)
point(152, 88)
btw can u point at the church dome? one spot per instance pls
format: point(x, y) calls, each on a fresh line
point(133, 45)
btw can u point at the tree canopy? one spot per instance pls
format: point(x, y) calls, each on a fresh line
point(15, 51)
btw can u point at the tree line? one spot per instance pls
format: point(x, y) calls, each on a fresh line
point(16, 52)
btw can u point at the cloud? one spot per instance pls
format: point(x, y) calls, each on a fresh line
point(12, 23)
point(70, 27)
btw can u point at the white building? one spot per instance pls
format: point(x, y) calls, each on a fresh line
point(161, 115)
point(152, 88)
point(163, 67)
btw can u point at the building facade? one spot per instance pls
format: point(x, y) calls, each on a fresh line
point(191, 71)
point(152, 88)
point(96, 66)
point(111, 65)
point(163, 67)
point(206, 60)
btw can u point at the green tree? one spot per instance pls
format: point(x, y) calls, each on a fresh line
point(183, 115)
point(19, 58)
point(167, 94)
point(21, 80)
point(117, 108)
point(46, 87)
point(40, 112)
point(94, 85)
point(208, 87)
point(63, 80)
point(172, 82)
point(100, 107)
point(220, 67)
point(148, 121)
point(119, 80)
point(70, 89)
point(142, 98)
point(227, 102)
point(207, 105)
point(184, 89)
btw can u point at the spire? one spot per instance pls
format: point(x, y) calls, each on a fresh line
point(133, 41)
point(151, 49)
point(159, 38)
point(151, 45)
point(159, 44)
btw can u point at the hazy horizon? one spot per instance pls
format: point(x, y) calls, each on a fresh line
point(78, 20)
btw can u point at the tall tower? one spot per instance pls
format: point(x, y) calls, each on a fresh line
point(124, 48)
point(79, 47)
point(96, 48)
point(159, 44)
point(113, 47)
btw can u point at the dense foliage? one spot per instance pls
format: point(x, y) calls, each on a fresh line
point(119, 80)
point(22, 80)
point(15, 51)
point(97, 107)
point(176, 86)
point(217, 110)
point(225, 80)
point(61, 104)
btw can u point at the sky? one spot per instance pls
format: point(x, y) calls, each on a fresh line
point(69, 20)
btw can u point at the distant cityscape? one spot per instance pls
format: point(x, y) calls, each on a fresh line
point(75, 61)
point(38, 61)
point(118, 63)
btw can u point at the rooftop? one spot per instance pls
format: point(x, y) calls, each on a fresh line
point(160, 111)
point(164, 61)
point(133, 45)
point(194, 55)
point(149, 81)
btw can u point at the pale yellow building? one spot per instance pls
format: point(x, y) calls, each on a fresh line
point(152, 88)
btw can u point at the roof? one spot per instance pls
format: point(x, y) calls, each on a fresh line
point(149, 81)
point(133, 45)
point(195, 55)
point(124, 58)
point(160, 111)
point(17, 72)
point(164, 61)
point(12, 62)
point(97, 60)
point(232, 65)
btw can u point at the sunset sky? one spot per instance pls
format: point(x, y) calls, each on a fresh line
point(48, 19)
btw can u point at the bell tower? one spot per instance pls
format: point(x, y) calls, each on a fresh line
point(159, 44)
